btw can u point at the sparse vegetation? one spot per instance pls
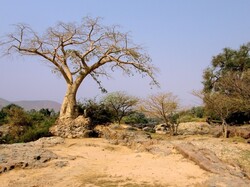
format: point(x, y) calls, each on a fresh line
point(162, 106)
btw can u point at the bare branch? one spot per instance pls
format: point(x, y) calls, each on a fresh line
point(78, 50)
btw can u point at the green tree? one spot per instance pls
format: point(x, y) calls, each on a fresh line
point(16, 115)
point(227, 84)
point(76, 51)
point(230, 63)
point(120, 103)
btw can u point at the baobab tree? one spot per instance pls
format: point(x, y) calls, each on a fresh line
point(76, 51)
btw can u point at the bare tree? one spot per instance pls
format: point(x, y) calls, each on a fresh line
point(237, 87)
point(161, 106)
point(219, 104)
point(76, 51)
point(120, 103)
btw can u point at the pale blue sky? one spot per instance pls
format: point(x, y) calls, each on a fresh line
point(181, 36)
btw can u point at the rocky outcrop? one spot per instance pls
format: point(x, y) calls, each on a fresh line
point(27, 155)
point(207, 160)
point(243, 132)
point(137, 140)
point(192, 128)
point(73, 128)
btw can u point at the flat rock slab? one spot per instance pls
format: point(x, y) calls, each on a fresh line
point(208, 161)
point(27, 155)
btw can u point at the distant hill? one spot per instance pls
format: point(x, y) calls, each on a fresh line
point(3, 103)
point(37, 105)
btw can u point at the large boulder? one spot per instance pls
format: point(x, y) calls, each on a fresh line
point(80, 127)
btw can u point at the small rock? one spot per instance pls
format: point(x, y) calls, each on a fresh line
point(61, 164)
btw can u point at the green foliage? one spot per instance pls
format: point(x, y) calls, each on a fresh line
point(31, 126)
point(135, 118)
point(237, 61)
point(194, 114)
point(186, 118)
point(98, 112)
point(227, 83)
point(197, 111)
point(16, 115)
point(37, 131)
point(2, 117)
point(46, 112)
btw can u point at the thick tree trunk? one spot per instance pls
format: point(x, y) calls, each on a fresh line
point(68, 109)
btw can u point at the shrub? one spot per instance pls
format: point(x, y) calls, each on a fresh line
point(37, 131)
point(31, 126)
point(2, 117)
point(135, 118)
point(16, 115)
point(185, 118)
point(97, 112)
point(197, 111)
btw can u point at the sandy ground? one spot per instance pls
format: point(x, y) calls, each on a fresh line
point(95, 162)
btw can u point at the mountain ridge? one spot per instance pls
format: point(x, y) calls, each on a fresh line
point(32, 104)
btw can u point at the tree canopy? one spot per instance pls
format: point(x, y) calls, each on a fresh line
point(226, 83)
point(76, 51)
point(120, 103)
point(227, 69)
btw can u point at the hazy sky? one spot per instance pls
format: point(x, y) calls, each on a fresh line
point(181, 36)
